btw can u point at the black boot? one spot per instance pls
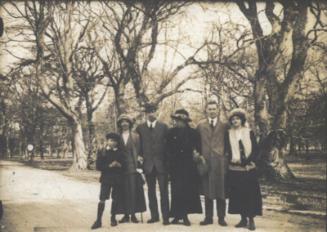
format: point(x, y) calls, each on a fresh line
point(251, 224)
point(186, 222)
point(222, 222)
point(134, 219)
point(113, 221)
point(97, 224)
point(124, 219)
point(175, 220)
point(242, 223)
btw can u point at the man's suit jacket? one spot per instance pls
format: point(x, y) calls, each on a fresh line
point(153, 142)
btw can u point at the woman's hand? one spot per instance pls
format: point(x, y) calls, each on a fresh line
point(115, 164)
point(250, 166)
point(140, 159)
point(196, 155)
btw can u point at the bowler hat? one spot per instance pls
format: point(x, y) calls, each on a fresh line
point(181, 114)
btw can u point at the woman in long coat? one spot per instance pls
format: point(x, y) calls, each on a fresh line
point(133, 182)
point(182, 140)
point(244, 190)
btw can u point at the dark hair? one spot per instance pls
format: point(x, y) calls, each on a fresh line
point(150, 108)
point(182, 115)
point(113, 136)
point(212, 103)
point(240, 115)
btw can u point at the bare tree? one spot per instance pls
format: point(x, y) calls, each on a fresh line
point(132, 30)
point(53, 28)
point(92, 87)
point(281, 58)
point(228, 66)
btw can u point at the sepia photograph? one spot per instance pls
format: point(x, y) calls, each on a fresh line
point(163, 116)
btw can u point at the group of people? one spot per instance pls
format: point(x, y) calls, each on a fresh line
point(161, 153)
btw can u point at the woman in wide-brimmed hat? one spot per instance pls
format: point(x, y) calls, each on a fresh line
point(243, 186)
point(182, 140)
point(133, 182)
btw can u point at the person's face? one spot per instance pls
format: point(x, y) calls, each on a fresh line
point(236, 121)
point(124, 125)
point(112, 143)
point(212, 110)
point(151, 116)
point(180, 123)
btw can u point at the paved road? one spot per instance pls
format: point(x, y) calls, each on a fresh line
point(47, 201)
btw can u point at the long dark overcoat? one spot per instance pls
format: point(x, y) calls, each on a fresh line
point(212, 148)
point(185, 180)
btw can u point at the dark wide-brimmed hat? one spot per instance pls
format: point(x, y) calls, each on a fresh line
point(239, 113)
point(124, 117)
point(150, 108)
point(181, 114)
point(113, 136)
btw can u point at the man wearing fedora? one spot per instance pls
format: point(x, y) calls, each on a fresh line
point(153, 140)
point(212, 148)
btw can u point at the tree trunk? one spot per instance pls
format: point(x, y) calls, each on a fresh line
point(281, 59)
point(91, 137)
point(79, 154)
point(120, 102)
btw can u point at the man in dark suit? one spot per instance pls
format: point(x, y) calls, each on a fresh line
point(153, 139)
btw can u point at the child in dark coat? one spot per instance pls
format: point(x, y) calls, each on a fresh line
point(110, 163)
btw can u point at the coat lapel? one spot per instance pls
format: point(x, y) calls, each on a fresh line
point(211, 132)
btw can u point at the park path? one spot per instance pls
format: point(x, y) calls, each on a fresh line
point(47, 201)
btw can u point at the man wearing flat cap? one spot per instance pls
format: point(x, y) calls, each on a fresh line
point(153, 139)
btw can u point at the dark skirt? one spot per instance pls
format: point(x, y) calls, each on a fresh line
point(185, 197)
point(244, 193)
point(134, 199)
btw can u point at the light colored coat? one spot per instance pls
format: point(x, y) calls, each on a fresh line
point(212, 148)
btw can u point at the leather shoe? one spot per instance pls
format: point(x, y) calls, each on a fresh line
point(174, 221)
point(124, 219)
point(165, 222)
point(243, 223)
point(206, 221)
point(134, 219)
point(152, 220)
point(222, 222)
point(96, 225)
point(186, 222)
point(251, 225)
point(113, 222)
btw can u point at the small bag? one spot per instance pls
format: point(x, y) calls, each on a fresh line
point(201, 163)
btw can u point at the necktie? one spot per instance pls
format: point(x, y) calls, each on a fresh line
point(211, 124)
